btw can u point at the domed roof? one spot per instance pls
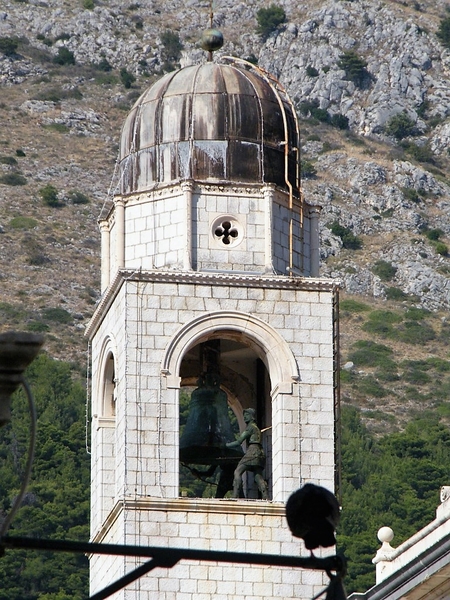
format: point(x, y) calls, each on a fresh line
point(210, 122)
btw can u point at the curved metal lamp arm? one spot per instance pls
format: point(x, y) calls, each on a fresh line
point(26, 479)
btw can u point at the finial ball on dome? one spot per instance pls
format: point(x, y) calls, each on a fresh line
point(211, 40)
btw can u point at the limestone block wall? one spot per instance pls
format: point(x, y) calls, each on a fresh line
point(155, 231)
point(148, 320)
point(282, 216)
point(176, 228)
point(246, 211)
point(146, 315)
point(246, 527)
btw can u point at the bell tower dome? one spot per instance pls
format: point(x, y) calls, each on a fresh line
point(209, 179)
point(210, 273)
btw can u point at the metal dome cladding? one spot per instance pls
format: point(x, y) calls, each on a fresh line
point(210, 123)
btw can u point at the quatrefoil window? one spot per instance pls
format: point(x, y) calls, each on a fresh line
point(226, 232)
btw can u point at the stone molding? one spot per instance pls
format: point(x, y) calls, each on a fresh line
point(282, 364)
point(306, 284)
point(190, 505)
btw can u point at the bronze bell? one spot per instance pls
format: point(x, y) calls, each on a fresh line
point(208, 427)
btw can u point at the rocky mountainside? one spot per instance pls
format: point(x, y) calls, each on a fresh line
point(369, 80)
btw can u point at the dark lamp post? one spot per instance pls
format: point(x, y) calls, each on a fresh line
point(17, 351)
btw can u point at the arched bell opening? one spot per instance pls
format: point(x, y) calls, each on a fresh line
point(109, 389)
point(104, 433)
point(221, 377)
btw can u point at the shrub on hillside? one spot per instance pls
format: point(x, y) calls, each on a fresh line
point(395, 293)
point(370, 354)
point(311, 108)
point(171, 51)
point(339, 121)
point(103, 65)
point(64, 57)
point(433, 234)
point(349, 240)
point(422, 154)
point(312, 71)
point(57, 315)
point(77, 197)
point(8, 45)
point(49, 195)
point(269, 19)
point(13, 179)
point(441, 249)
point(23, 223)
point(34, 251)
point(400, 126)
point(353, 306)
point(443, 33)
point(307, 169)
point(127, 78)
point(8, 160)
point(414, 332)
point(385, 270)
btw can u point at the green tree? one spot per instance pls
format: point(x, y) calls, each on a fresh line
point(354, 67)
point(171, 51)
point(393, 480)
point(56, 505)
point(443, 33)
point(126, 78)
point(269, 19)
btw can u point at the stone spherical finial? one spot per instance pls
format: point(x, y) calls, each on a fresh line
point(211, 40)
point(385, 534)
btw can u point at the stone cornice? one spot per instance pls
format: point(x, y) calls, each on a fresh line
point(229, 279)
point(217, 188)
point(190, 505)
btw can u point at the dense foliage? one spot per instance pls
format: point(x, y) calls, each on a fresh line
point(394, 481)
point(57, 502)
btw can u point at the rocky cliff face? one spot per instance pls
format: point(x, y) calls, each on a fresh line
point(389, 192)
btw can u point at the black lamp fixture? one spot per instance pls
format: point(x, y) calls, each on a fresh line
point(17, 351)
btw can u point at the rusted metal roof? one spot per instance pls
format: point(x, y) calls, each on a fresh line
point(210, 122)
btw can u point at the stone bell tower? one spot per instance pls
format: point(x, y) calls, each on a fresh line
point(209, 248)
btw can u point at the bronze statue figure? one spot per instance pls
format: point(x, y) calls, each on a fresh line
point(253, 459)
